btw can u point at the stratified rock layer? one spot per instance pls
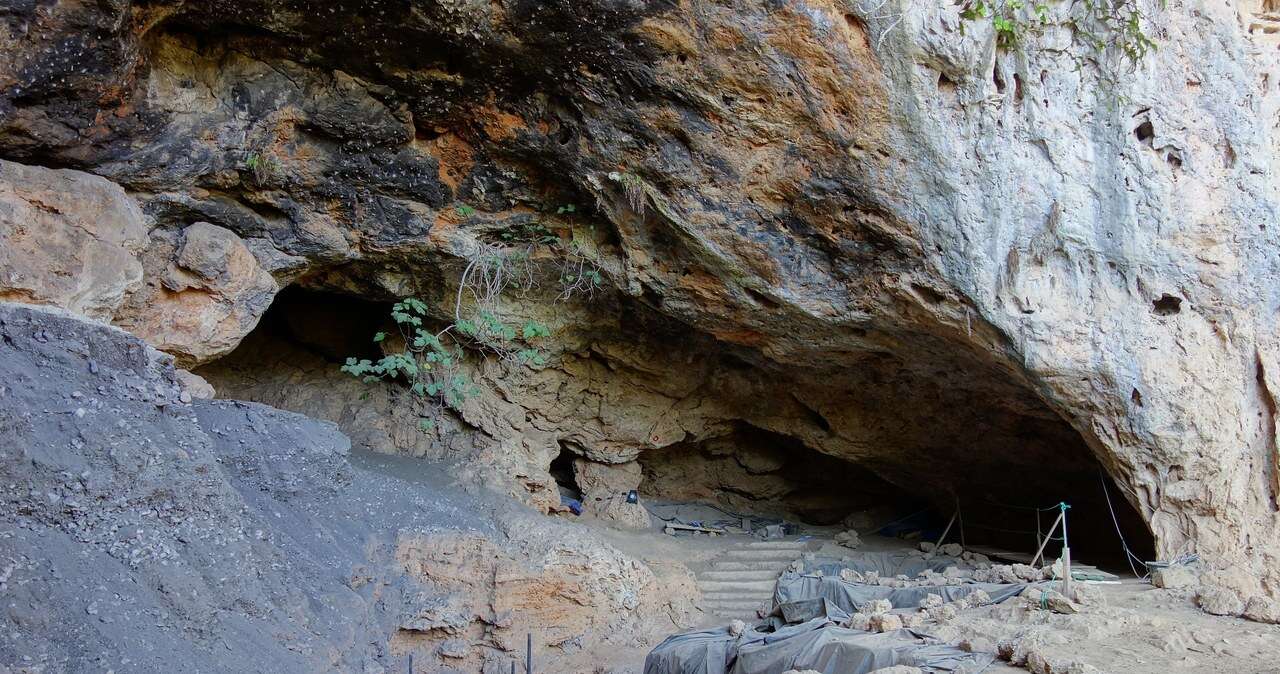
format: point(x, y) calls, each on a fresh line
point(864, 228)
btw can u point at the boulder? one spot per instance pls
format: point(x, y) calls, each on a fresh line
point(194, 385)
point(68, 239)
point(885, 622)
point(604, 492)
point(1175, 577)
point(1219, 601)
point(204, 291)
point(849, 539)
point(1262, 610)
point(876, 606)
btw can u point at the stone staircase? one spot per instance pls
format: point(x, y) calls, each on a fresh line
point(741, 579)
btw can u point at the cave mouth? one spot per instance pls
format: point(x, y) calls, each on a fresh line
point(562, 471)
point(326, 325)
point(755, 473)
point(932, 446)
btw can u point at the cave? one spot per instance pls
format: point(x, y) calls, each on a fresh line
point(561, 470)
point(765, 476)
point(937, 435)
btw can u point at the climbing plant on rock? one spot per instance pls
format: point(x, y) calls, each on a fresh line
point(1102, 24)
point(430, 361)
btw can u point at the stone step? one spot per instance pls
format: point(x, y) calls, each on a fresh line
point(782, 557)
point(736, 586)
point(773, 567)
point(739, 574)
point(735, 593)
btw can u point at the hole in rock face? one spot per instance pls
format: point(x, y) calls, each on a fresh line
point(562, 472)
point(1166, 305)
point(292, 360)
point(1145, 133)
point(1006, 486)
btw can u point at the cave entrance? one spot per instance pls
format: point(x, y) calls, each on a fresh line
point(755, 473)
point(562, 472)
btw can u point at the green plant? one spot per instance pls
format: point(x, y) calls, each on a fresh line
point(430, 362)
point(533, 231)
point(263, 167)
point(1102, 24)
point(1117, 23)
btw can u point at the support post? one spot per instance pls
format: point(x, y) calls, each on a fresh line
point(528, 654)
point(1066, 555)
point(946, 531)
point(1066, 572)
point(1047, 537)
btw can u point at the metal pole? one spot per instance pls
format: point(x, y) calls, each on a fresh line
point(960, 516)
point(411, 663)
point(1066, 557)
point(528, 654)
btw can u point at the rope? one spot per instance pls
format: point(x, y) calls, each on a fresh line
point(900, 519)
point(1129, 556)
point(1055, 506)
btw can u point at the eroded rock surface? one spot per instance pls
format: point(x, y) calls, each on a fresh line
point(69, 239)
point(139, 530)
point(860, 227)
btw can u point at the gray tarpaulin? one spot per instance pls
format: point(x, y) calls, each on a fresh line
point(823, 646)
point(849, 596)
point(710, 651)
point(804, 631)
point(818, 644)
point(820, 578)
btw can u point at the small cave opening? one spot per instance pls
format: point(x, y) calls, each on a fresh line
point(292, 360)
point(562, 472)
point(1166, 305)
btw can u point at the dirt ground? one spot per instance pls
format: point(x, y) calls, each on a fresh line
point(1126, 627)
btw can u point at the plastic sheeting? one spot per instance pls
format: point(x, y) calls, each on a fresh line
point(804, 632)
point(819, 644)
point(820, 579)
point(849, 596)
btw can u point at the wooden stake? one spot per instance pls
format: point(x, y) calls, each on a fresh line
point(1047, 538)
point(946, 531)
point(1066, 572)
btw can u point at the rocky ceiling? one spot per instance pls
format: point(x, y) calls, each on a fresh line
point(807, 220)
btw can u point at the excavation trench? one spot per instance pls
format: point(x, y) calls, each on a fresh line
point(902, 446)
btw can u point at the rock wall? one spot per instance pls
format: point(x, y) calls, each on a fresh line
point(143, 529)
point(857, 225)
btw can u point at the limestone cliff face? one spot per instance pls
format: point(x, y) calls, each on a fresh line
point(858, 225)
